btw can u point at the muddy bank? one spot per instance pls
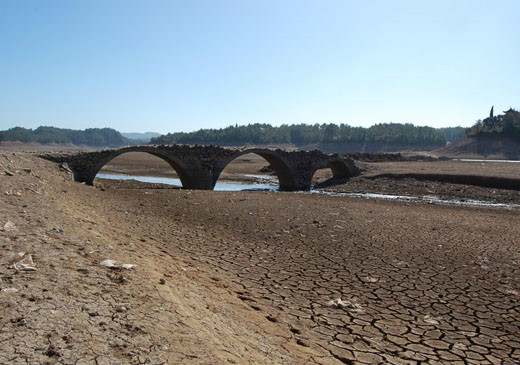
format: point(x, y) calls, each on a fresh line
point(387, 157)
point(421, 188)
point(476, 180)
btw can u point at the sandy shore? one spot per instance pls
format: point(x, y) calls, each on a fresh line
point(249, 277)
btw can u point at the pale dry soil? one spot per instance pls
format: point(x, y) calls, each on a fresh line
point(71, 310)
point(248, 277)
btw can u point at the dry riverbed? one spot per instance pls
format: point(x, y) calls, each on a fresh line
point(249, 277)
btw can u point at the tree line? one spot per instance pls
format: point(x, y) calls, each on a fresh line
point(259, 134)
point(95, 137)
point(305, 134)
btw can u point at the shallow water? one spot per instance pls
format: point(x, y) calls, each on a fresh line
point(474, 160)
point(425, 199)
point(220, 186)
point(236, 186)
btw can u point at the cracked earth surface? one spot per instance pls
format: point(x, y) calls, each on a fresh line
point(225, 277)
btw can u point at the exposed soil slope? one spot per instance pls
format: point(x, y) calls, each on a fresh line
point(483, 147)
point(72, 310)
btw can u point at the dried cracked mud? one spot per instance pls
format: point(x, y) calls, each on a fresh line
point(250, 277)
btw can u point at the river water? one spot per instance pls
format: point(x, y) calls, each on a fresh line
point(267, 185)
point(220, 186)
point(474, 160)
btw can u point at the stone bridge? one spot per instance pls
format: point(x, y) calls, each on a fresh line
point(199, 167)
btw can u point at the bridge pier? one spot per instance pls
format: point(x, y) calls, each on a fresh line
point(200, 179)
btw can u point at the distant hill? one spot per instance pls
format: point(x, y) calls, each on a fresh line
point(92, 137)
point(503, 125)
point(495, 137)
point(330, 138)
point(146, 137)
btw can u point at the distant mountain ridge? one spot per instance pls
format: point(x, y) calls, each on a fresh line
point(147, 136)
point(92, 137)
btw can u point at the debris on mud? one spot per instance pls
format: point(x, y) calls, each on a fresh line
point(345, 304)
point(112, 264)
point(25, 262)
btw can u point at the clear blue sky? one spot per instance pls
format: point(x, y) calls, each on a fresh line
point(169, 66)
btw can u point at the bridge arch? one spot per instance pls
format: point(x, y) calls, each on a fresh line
point(286, 179)
point(177, 164)
point(341, 169)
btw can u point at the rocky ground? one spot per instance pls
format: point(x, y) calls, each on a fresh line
point(249, 277)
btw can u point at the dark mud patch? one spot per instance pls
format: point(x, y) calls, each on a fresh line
point(476, 180)
point(408, 186)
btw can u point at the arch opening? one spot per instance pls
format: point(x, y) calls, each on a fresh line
point(254, 170)
point(249, 171)
point(145, 167)
point(333, 173)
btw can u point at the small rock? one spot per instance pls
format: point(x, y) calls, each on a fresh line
point(9, 226)
point(65, 167)
point(57, 229)
point(9, 290)
point(369, 279)
point(108, 263)
point(431, 320)
point(8, 173)
point(121, 308)
point(162, 281)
